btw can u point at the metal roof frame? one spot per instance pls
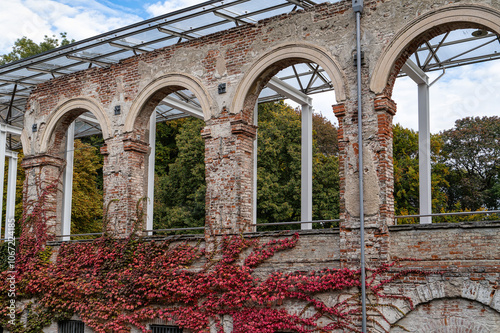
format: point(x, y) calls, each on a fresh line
point(19, 77)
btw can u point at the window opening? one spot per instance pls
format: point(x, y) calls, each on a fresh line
point(165, 329)
point(71, 326)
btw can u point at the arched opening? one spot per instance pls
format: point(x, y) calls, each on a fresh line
point(74, 134)
point(294, 176)
point(169, 115)
point(178, 168)
point(436, 167)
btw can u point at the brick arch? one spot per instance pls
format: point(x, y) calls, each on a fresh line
point(279, 58)
point(64, 114)
point(425, 27)
point(146, 101)
point(449, 315)
point(422, 295)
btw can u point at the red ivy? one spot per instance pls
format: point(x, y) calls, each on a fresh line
point(114, 284)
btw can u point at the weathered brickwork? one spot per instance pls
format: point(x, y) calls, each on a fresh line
point(245, 58)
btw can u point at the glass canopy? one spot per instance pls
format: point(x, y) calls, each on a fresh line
point(456, 48)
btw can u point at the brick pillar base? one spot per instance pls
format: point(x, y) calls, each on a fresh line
point(385, 109)
point(378, 180)
point(125, 185)
point(42, 188)
point(229, 175)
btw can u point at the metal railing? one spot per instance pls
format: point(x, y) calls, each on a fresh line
point(480, 212)
point(293, 222)
point(164, 232)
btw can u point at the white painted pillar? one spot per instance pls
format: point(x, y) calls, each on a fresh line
point(424, 155)
point(68, 182)
point(11, 196)
point(3, 143)
point(255, 147)
point(151, 172)
point(424, 138)
point(306, 172)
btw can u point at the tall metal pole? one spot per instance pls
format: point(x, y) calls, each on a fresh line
point(357, 6)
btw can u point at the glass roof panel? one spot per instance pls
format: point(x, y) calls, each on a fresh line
point(199, 20)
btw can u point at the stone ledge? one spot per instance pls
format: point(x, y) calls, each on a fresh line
point(331, 231)
point(435, 226)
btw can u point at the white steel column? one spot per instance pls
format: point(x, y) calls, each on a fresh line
point(3, 142)
point(424, 139)
point(297, 96)
point(11, 195)
point(68, 182)
point(424, 153)
point(255, 147)
point(151, 172)
point(306, 171)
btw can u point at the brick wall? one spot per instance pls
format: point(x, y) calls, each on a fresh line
point(469, 253)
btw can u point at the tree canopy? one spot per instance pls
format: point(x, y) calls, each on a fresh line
point(406, 172)
point(25, 47)
point(472, 152)
point(180, 169)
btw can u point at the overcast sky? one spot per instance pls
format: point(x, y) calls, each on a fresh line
point(466, 91)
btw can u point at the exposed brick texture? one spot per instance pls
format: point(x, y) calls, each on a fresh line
point(467, 252)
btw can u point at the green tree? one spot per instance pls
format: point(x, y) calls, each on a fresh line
point(25, 47)
point(87, 200)
point(406, 173)
point(180, 195)
point(166, 149)
point(472, 152)
point(279, 166)
point(278, 163)
point(325, 135)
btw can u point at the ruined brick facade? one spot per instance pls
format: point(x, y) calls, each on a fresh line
point(245, 58)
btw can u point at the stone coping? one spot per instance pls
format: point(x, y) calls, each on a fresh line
point(197, 237)
point(434, 226)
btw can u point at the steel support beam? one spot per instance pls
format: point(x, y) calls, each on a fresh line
point(289, 91)
point(3, 143)
point(68, 182)
point(424, 139)
point(306, 167)
point(89, 120)
point(4, 130)
point(151, 172)
point(184, 107)
point(415, 73)
point(424, 153)
point(10, 207)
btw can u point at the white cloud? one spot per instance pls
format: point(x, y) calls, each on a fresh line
point(36, 18)
point(163, 7)
point(465, 91)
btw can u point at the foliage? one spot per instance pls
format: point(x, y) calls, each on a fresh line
point(180, 194)
point(278, 163)
point(472, 152)
point(113, 284)
point(325, 135)
point(25, 47)
point(406, 172)
point(279, 166)
point(86, 212)
point(166, 148)
point(179, 174)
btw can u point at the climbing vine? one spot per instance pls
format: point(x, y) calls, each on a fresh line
point(113, 284)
